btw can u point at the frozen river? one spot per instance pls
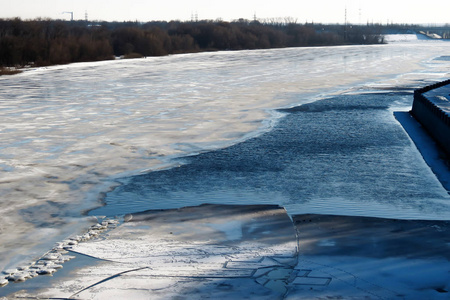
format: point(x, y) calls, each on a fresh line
point(68, 134)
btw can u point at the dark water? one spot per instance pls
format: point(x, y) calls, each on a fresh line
point(343, 155)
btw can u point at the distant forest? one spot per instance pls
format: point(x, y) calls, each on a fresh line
point(49, 42)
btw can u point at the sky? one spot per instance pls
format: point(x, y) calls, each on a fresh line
point(318, 11)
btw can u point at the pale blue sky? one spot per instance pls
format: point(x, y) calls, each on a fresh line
point(325, 11)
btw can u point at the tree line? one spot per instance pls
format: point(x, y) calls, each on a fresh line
point(48, 42)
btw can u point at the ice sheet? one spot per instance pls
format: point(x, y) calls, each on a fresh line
point(67, 132)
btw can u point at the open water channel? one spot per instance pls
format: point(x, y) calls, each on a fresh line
point(311, 129)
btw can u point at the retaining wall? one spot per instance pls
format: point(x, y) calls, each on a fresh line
point(435, 120)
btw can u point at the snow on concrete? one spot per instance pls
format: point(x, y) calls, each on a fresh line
point(427, 146)
point(441, 97)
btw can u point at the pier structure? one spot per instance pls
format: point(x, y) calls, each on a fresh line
point(431, 108)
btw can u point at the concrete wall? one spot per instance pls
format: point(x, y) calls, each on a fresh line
point(432, 117)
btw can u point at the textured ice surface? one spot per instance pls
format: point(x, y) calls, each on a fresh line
point(194, 252)
point(67, 132)
point(370, 258)
point(172, 253)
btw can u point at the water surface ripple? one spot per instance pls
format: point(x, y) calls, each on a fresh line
point(345, 155)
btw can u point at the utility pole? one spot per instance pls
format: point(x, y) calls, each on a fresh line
point(345, 16)
point(360, 15)
point(345, 24)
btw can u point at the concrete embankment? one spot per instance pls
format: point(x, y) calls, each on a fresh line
point(431, 107)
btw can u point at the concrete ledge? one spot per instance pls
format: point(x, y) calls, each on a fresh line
point(434, 115)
